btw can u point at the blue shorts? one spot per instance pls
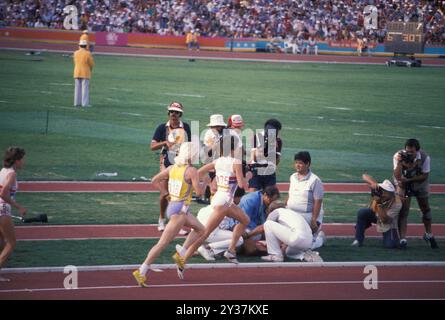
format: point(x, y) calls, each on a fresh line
point(177, 207)
point(260, 182)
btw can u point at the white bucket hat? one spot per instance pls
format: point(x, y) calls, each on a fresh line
point(387, 186)
point(83, 43)
point(217, 120)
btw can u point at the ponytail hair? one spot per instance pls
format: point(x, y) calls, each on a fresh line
point(12, 155)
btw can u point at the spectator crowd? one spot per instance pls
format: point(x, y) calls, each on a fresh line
point(325, 20)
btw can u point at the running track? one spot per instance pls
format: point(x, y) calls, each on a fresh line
point(304, 281)
point(94, 186)
point(210, 55)
point(140, 231)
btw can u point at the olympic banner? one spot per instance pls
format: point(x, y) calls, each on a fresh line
point(111, 39)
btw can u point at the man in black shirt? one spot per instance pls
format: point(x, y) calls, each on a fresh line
point(168, 138)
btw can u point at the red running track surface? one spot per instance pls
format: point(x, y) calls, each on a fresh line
point(420, 282)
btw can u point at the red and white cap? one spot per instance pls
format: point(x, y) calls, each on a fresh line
point(176, 106)
point(236, 121)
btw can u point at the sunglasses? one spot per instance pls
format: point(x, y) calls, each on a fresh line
point(175, 112)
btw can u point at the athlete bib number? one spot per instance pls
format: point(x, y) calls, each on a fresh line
point(174, 187)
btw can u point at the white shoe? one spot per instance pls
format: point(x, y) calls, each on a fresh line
point(272, 258)
point(161, 225)
point(183, 232)
point(206, 253)
point(312, 256)
point(355, 243)
point(4, 279)
point(230, 256)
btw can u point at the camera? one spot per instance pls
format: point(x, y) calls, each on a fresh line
point(407, 157)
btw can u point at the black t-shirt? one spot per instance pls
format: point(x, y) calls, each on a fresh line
point(161, 134)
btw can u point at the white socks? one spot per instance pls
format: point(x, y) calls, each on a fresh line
point(143, 269)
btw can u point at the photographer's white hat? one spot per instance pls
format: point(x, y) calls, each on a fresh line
point(217, 120)
point(83, 43)
point(387, 186)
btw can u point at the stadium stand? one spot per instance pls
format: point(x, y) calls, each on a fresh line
point(326, 20)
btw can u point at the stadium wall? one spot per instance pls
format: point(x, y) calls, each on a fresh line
point(178, 42)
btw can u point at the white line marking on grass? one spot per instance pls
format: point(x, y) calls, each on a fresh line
point(339, 108)
point(224, 284)
point(282, 103)
point(60, 84)
point(184, 95)
point(131, 114)
point(352, 120)
point(301, 129)
point(430, 127)
point(377, 135)
point(112, 99)
point(398, 264)
point(2, 101)
point(46, 92)
point(270, 113)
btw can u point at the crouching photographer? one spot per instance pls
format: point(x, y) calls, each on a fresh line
point(411, 172)
point(383, 210)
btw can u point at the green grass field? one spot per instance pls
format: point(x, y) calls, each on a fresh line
point(134, 208)
point(352, 118)
point(115, 252)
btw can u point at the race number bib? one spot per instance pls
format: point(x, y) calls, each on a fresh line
point(174, 187)
point(223, 181)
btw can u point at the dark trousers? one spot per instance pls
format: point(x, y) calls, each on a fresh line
point(365, 218)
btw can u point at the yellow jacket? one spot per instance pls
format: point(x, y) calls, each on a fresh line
point(83, 64)
point(191, 38)
point(85, 37)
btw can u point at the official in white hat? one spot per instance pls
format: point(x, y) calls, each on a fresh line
point(83, 67)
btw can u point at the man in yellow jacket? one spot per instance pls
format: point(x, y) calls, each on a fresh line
point(83, 66)
point(192, 40)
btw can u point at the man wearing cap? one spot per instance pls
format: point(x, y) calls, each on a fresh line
point(383, 211)
point(83, 66)
point(168, 138)
point(85, 36)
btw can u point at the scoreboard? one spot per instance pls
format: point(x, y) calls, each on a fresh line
point(405, 37)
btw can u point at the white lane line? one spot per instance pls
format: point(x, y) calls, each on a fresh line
point(244, 265)
point(339, 108)
point(225, 284)
point(377, 135)
point(430, 127)
point(131, 114)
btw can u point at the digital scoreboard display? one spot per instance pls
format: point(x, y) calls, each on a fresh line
point(405, 37)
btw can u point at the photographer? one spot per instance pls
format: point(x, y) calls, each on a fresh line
point(411, 171)
point(265, 161)
point(383, 210)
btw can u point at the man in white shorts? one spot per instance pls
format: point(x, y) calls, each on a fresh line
point(219, 240)
point(306, 196)
point(288, 234)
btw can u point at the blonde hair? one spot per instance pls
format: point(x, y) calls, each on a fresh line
point(187, 152)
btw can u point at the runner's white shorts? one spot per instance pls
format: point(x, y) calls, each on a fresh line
point(5, 209)
point(222, 198)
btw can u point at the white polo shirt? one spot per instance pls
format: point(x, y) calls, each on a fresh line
point(303, 192)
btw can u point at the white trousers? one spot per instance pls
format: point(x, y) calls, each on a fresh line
point(81, 92)
point(298, 240)
point(219, 240)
